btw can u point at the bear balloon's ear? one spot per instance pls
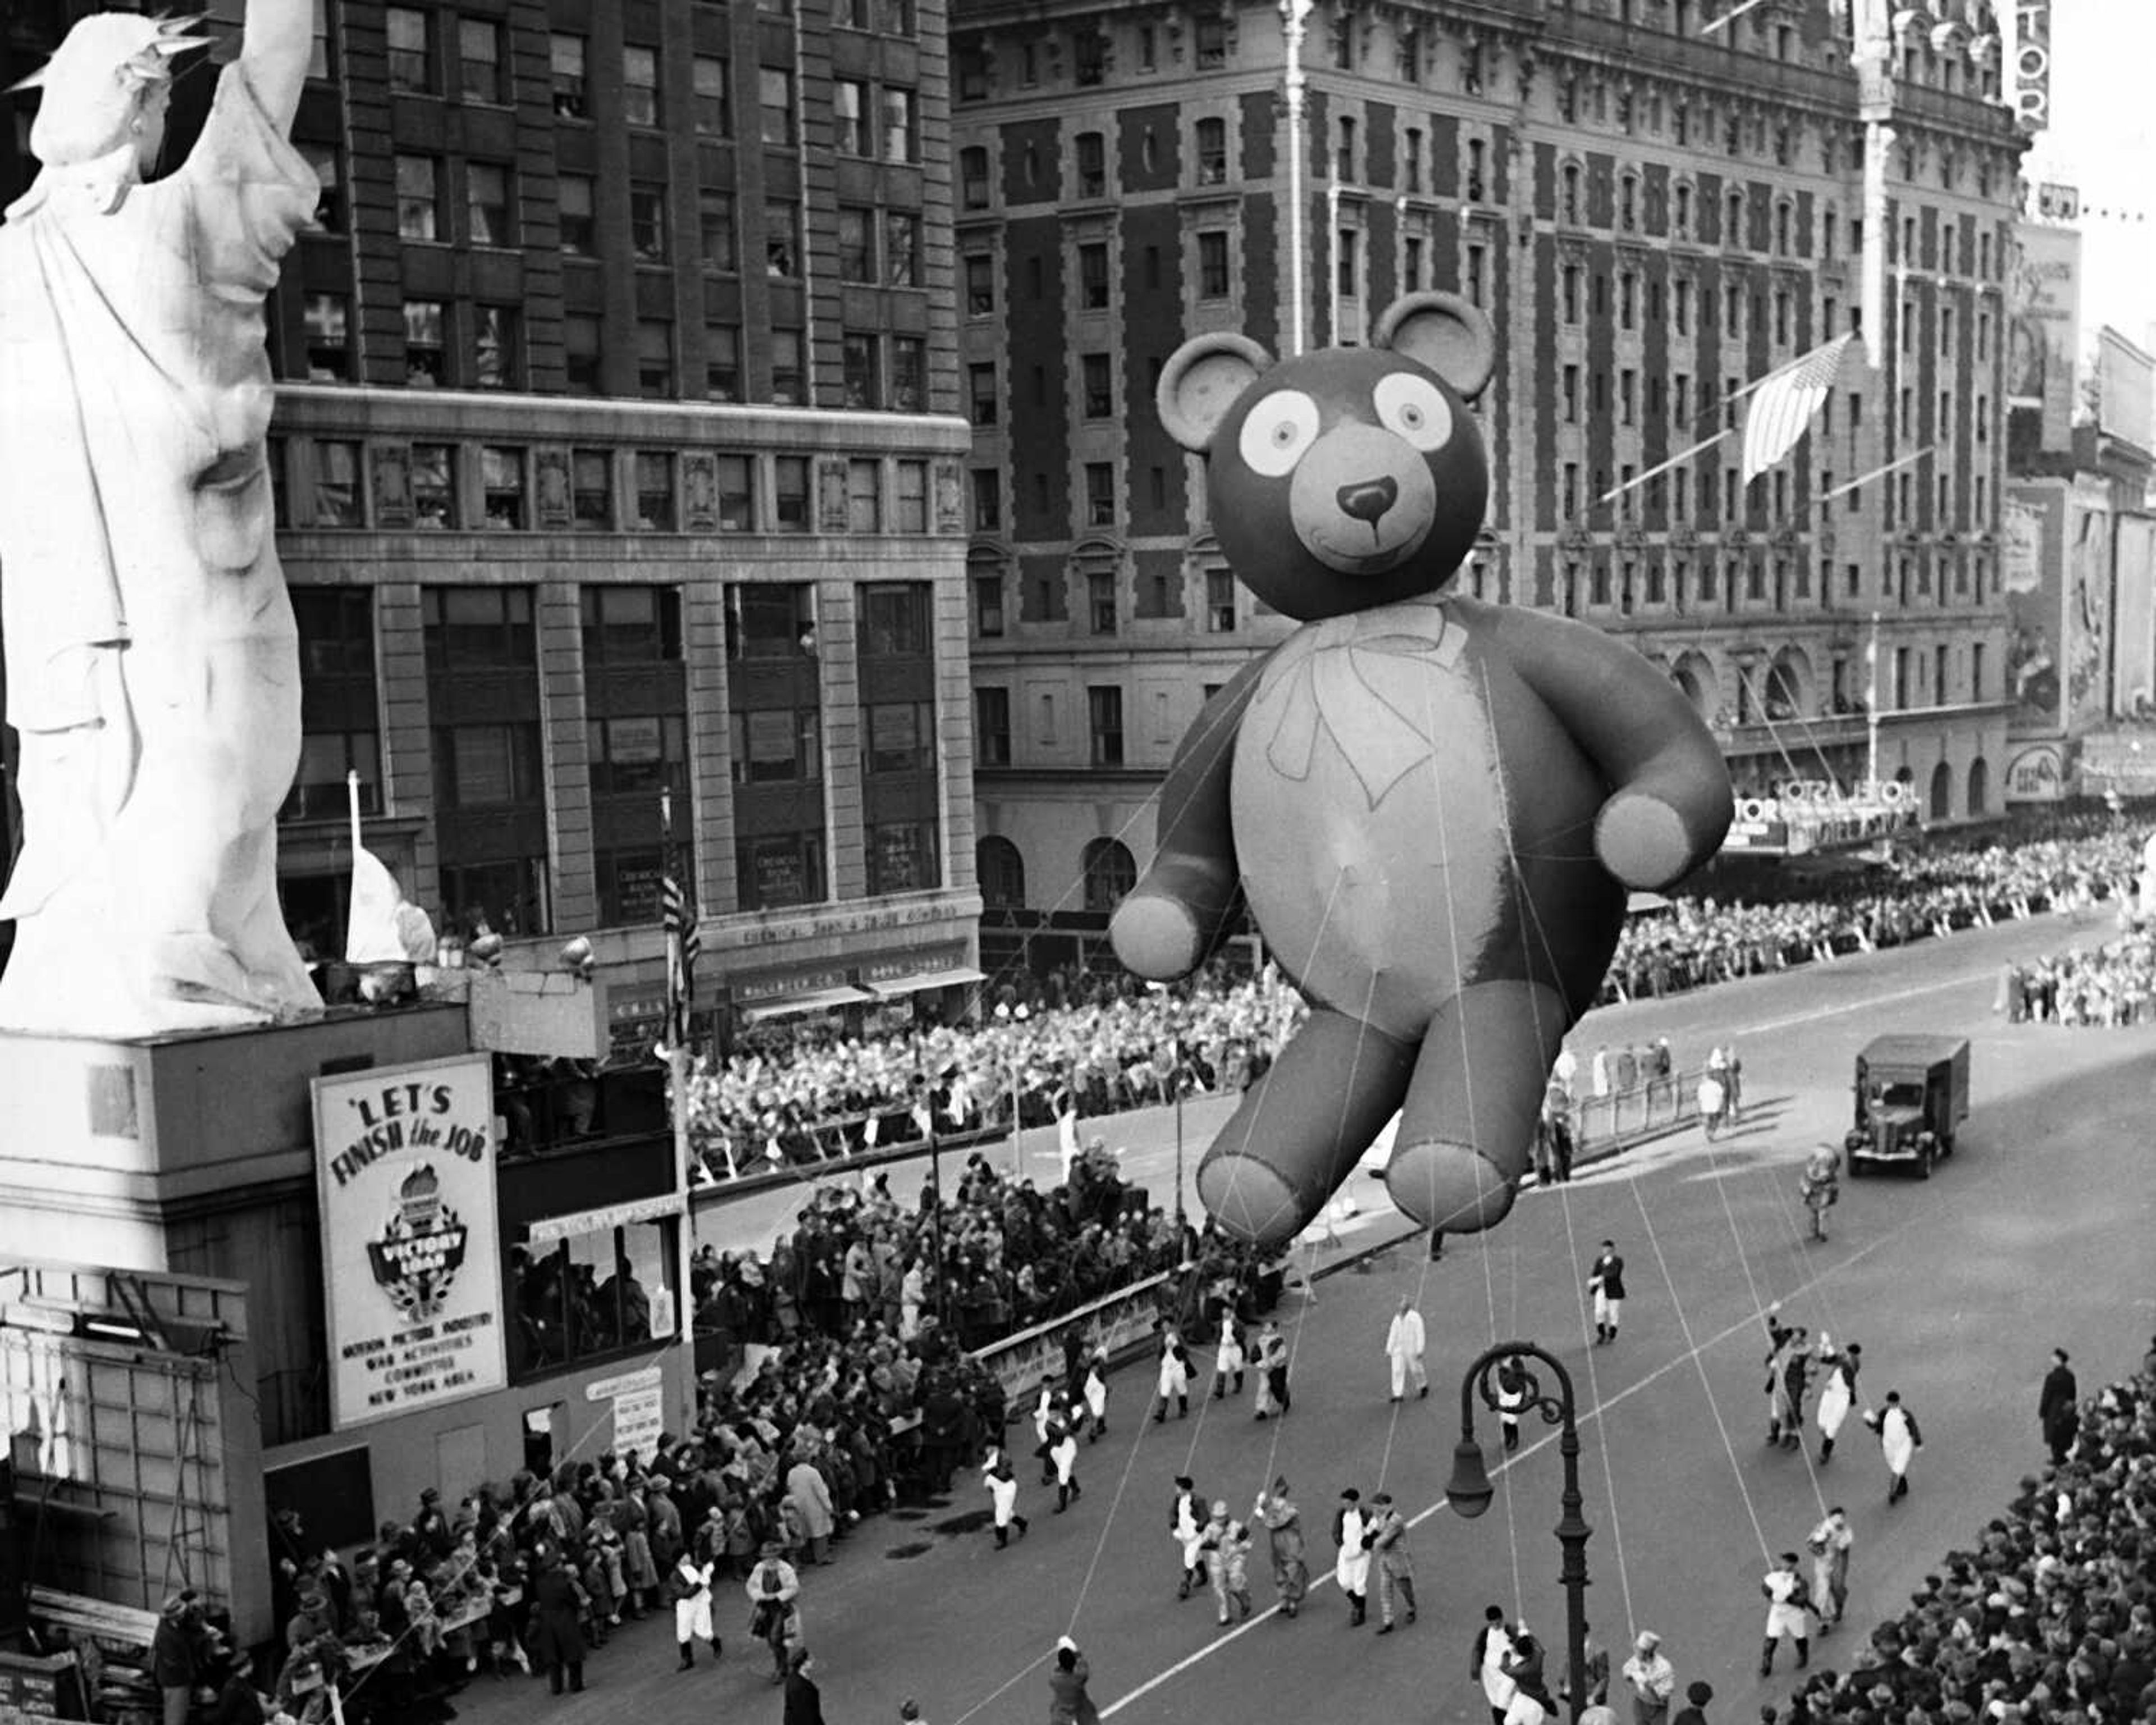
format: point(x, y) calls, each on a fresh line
point(1200, 383)
point(1445, 333)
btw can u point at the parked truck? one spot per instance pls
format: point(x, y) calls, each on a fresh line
point(1912, 1098)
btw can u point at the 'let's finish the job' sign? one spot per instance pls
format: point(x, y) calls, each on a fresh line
point(411, 1249)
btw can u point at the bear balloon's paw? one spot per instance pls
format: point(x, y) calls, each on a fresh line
point(1155, 936)
point(1641, 840)
point(1252, 1202)
point(1451, 1186)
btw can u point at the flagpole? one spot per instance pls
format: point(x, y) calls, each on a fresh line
point(677, 1092)
point(1865, 478)
point(351, 805)
point(1678, 460)
point(1872, 708)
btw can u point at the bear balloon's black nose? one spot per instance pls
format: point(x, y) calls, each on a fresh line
point(1367, 500)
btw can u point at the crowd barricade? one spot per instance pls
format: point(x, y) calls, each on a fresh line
point(834, 1144)
point(1658, 1106)
point(1123, 1323)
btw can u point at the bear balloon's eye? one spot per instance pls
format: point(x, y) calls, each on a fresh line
point(1277, 431)
point(1415, 408)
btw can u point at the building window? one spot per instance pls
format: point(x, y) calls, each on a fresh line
point(737, 494)
point(864, 496)
point(900, 737)
point(789, 386)
point(580, 353)
point(773, 873)
point(856, 244)
point(980, 274)
point(910, 497)
point(486, 203)
point(638, 754)
point(479, 70)
point(495, 347)
point(328, 176)
point(895, 622)
point(908, 374)
point(1093, 277)
point(426, 355)
point(782, 237)
point(1104, 714)
point(591, 490)
point(1097, 372)
point(433, 485)
point(988, 602)
point(654, 490)
point(647, 223)
point(775, 102)
point(714, 112)
point(1213, 278)
point(410, 61)
point(573, 201)
point(992, 726)
point(639, 86)
point(715, 221)
point(571, 90)
point(1100, 493)
point(862, 384)
point(790, 493)
point(477, 628)
point(1092, 165)
point(1210, 43)
point(981, 392)
point(1100, 601)
point(973, 177)
point(418, 198)
point(1221, 601)
point(326, 319)
point(1212, 152)
point(721, 362)
point(502, 487)
point(900, 126)
point(343, 726)
point(902, 856)
point(777, 746)
point(988, 486)
point(901, 249)
point(849, 116)
point(655, 360)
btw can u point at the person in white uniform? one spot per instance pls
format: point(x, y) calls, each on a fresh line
point(1783, 1585)
point(1493, 1646)
point(1404, 1342)
point(1351, 1570)
point(1186, 1525)
point(1840, 1393)
point(1175, 1378)
point(1899, 1441)
point(690, 1586)
point(1227, 1359)
point(1003, 1494)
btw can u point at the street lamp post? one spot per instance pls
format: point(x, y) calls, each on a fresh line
point(1469, 1490)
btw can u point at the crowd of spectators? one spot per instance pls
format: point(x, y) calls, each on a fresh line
point(2101, 986)
point(2048, 1619)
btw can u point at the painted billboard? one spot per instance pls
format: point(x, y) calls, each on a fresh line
point(2125, 387)
point(2133, 618)
point(2029, 568)
point(2043, 322)
point(411, 1243)
point(2085, 629)
point(2032, 63)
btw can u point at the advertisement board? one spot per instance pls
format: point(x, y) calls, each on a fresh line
point(2044, 328)
point(2032, 523)
point(404, 1161)
point(2037, 774)
point(2032, 63)
point(2133, 618)
point(2085, 629)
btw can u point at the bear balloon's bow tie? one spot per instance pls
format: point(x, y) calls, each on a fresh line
point(1323, 671)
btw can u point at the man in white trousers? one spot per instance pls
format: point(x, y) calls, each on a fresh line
point(1404, 1343)
point(689, 1587)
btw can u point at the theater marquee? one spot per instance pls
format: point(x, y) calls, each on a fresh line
point(404, 1159)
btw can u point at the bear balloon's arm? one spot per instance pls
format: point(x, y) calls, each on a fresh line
point(1669, 805)
point(1184, 905)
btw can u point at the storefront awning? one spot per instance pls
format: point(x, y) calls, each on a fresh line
point(813, 1000)
point(903, 985)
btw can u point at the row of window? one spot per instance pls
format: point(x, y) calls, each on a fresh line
point(1104, 610)
point(1684, 581)
point(492, 487)
point(1676, 490)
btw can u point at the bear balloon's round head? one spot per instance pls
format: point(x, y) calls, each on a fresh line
point(1348, 478)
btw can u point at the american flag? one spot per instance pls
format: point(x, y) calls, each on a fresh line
point(683, 946)
point(1783, 405)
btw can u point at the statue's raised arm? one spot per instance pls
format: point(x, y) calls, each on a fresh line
point(152, 663)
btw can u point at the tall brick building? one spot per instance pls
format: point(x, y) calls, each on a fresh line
point(1652, 217)
point(616, 451)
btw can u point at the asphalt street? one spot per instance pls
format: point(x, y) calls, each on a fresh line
point(2038, 1233)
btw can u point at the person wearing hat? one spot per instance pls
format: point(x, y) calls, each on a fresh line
point(689, 1586)
point(1829, 1542)
point(804, 1701)
point(1003, 1493)
point(557, 1603)
point(1605, 1281)
point(1272, 1360)
point(1386, 1538)
point(1899, 1441)
point(172, 1660)
point(1651, 1678)
point(1227, 1547)
point(1787, 1599)
point(773, 1591)
point(1694, 1711)
point(1068, 1703)
point(1838, 1394)
point(1351, 1568)
point(1186, 1526)
point(1275, 1511)
point(430, 1527)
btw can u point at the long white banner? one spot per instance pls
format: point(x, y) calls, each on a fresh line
point(404, 1158)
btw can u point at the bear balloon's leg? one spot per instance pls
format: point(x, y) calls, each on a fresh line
point(1469, 1124)
point(1302, 1127)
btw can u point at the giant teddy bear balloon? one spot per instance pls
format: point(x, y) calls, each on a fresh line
point(1433, 807)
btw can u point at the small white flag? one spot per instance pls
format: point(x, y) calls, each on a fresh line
point(1783, 405)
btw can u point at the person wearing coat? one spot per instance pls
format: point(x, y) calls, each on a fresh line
point(774, 1591)
point(558, 1603)
point(1275, 1511)
point(804, 1701)
point(1351, 1568)
point(1068, 1703)
point(1386, 1538)
point(2058, 1408)
point(811, 1498)
point(172, 1657)
point(1404, 1342)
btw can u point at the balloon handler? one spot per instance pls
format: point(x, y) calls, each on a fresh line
point(1433, 807)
